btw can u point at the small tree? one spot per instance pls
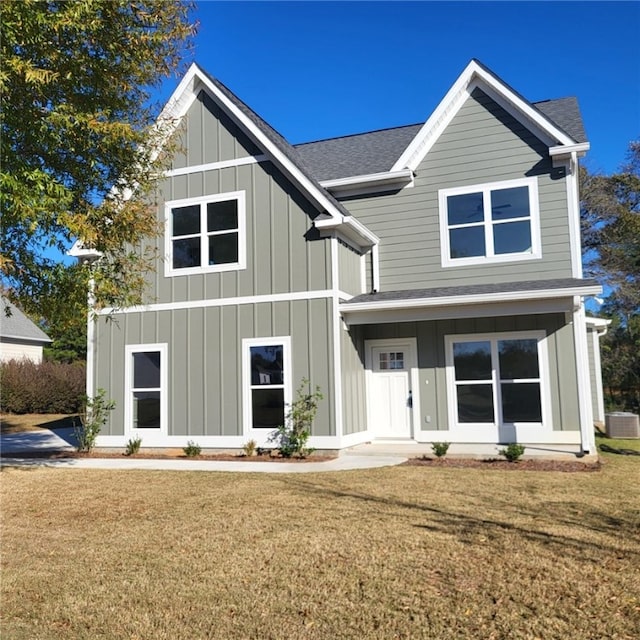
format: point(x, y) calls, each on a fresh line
point(95, 417)
point(292, 437)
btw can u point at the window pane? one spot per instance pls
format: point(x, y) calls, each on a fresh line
point(267, 408)
point(465, 208)
point(475, 403)
point(518, 359)
point(397, 360)
point(472, 360)
point(510, 203)
point(146, 370)
point(467, 243)
point(223, 249)
point(222, 215)
point(266, 365)
point(186, 220)
point(186, 253)
point(512, 237)
point(146, 409)
point(521, 402)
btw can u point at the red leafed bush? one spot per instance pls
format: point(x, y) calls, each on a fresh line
point(48, 387)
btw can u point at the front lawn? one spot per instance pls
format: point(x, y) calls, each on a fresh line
point(402, 552)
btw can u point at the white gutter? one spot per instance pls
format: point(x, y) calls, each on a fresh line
point(568, 149)
point(476, 298)
point(351, 227)
point(384, 178)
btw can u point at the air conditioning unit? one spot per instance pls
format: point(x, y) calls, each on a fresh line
point(622, 425)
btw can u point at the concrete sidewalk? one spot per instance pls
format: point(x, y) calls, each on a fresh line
point(63, 440)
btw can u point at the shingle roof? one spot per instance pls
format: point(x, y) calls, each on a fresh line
point(17, 325)
point(377, 151)
point(474, 289)
point(276, 139)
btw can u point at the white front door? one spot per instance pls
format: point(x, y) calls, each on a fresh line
point(389, 388)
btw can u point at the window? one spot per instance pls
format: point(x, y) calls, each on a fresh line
point(206, 234)
point(267, 373)
point(391, 360)
point(490, 223)
point(496, 379)
point(145, 376)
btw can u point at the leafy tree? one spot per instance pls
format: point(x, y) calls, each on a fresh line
point(79, 149)
point(611, 240)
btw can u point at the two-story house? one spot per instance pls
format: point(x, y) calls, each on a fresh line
point(428, 278)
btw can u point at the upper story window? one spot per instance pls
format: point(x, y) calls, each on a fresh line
point(494, 222)
point(205, 234)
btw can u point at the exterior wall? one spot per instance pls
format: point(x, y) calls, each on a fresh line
point(482, 144)
point(205, 360)
point(353, 380)
point(349, 269)
point(16, 350)
point(431, 362)
point(284, 253)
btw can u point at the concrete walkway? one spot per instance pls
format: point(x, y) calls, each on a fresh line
point(62, 440)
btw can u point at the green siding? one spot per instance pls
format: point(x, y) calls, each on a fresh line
point(205, 360)
point(431, 361)
point(349, 269)
point(352, 366)
point(482, 144)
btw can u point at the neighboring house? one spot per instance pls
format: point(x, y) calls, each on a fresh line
point(428, 278)
point(20, 338)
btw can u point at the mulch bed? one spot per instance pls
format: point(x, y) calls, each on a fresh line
point(224, 457)
point(497, 464)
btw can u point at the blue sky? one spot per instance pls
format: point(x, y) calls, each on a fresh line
point(316, 70)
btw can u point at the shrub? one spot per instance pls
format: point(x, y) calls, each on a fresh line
point(512, 452)
point(133, 446)
point(440, 448)
point(95, 416)
point(47, 387)
point(250, 448)
point(292, 437)
point(192, 449)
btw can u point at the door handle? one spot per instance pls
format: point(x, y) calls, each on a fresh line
point(410, 400)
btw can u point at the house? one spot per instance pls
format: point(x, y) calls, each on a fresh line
point(428, 278)
point(20, 338)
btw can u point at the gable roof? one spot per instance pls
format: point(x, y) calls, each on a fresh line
point(17, 326)
point(376, 151)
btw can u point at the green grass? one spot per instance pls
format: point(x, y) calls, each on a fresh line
point(402, 552)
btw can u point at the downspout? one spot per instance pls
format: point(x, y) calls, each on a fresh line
point(91, 338)
point(375, 266)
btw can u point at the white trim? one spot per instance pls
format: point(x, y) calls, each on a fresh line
point(471, 77)
point(573, 213)
point(488, 224)
point(91, 340)
point(149, 436)
point(414, 378)
point(523, 432)
point(240, 198)
point(375, 268)
point(597, 371)
point(211, 166)
point(521, 307)
point(569, 149)
point(601, 325)
point(336, 335)
point(585, 410)
point(368, 184)
point(224, 302)
point(261, 436)
point(350, 227)
point(475, 298)
point(363, 272)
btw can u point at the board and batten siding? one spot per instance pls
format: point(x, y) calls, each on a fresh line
point(283, 252)
point(432, 361)
point(205, 360)
point(482, 144)
point(352, 366)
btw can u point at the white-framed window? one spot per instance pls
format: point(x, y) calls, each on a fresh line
point(267, 384)
point(205, 234)
point(145, 378)
point(497, 379)
point(493, 222)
